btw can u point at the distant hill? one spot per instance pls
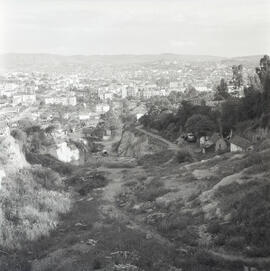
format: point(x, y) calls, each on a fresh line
point(249, 61)
point(51, 62)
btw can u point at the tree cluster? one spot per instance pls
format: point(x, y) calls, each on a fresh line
point(202, 120)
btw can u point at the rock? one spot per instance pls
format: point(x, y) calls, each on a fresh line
point(148, 236)
point(163, 202)
point(125, 267)
point(80, 225)
point(173, 268)
point(228, 217)
point(91, 242)
point(147, 205)
point(154, 218)
point(137, 207)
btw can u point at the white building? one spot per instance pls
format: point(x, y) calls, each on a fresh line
point(123, 92)
point(62, 100)
point(173, 84)
point(24, 99)
point(102, 108)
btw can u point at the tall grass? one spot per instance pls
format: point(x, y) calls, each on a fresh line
point(152, 191)
point(30, 203)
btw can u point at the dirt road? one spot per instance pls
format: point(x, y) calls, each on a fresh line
point(171, 146)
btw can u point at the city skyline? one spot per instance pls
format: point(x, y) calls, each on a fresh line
point(226, 29)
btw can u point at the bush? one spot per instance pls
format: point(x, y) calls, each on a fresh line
point(97, 264)
point(213, 228)
point(152, 191)
point(183, 156)
point(28, 208)
point(46, 160)
point(156, 158)
point(175, 222)
point(48, 178)
point(264, 145)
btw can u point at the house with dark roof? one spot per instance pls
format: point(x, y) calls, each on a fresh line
point(238, 143)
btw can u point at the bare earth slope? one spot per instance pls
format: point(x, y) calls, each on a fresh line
point(159, 215)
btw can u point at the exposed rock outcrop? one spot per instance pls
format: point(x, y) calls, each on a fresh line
point(134, 144)
point(11, 155)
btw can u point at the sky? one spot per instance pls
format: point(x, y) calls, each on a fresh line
point(90, 27)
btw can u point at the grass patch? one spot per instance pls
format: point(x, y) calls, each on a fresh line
point(156, 158)
point(152, 191)
point(248, 205)
point(31, 201)
point(85, 181)
point(49, 161)
point(183, 156)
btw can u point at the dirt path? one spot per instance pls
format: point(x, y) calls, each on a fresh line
point(171, 146)
point(238, 258)
point(109, 207)
point(88, 235)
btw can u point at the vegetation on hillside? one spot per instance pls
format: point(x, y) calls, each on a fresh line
point(255, 105)
point(31, 201)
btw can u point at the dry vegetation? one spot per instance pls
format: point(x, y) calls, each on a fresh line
point(227, 209)
point(31, 201)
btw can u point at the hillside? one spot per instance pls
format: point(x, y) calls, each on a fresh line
point(49, 62)
point(31, 197)
point(143, 207)
point(218, 207)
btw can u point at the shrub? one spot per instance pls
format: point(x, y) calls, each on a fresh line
point(264, 145)
point(97, 263)
point(183, 156)
point(151, 193)
point(46, 160)
point(47, 178)
point(175, 222)
point(156, 158)
point(28, 208)
point(213, 228)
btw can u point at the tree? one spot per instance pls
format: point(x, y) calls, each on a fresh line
point(237, 79)
point(264, 74)
point(175, 97)
point(264, 69)
point(199, 125)
point(190, 91)
point(230, 113)
point(255, 82)
point(49, 129)
point(222, 91)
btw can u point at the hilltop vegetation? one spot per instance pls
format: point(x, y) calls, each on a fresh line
point(234, 112)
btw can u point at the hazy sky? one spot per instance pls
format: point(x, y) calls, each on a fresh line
point(212, 27)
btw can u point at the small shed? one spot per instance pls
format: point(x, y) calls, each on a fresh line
point(238, 143)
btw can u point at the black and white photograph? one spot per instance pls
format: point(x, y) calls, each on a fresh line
point(134, 135)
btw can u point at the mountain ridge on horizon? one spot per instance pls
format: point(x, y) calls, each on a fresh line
point(129, 54)
point(55, 62)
